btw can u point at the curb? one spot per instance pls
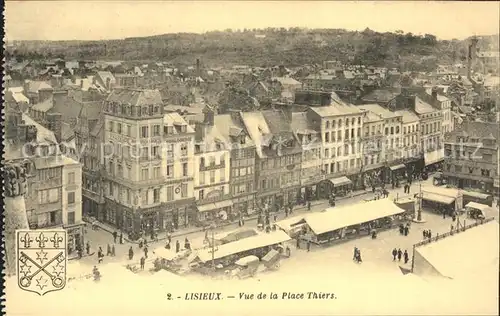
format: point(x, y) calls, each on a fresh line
point(201, 229)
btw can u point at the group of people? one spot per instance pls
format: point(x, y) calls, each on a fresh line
point(397, 253)
point(427, 234)
point(404, 229)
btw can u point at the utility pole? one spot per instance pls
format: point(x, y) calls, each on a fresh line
point(419, 210)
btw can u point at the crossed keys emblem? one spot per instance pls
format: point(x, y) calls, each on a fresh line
point(57, 281)
point(41, 260)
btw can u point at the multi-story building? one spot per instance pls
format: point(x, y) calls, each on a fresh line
point(149, 168)
point(310, 140)
point(89, 144)
point(443, 103)
point(372, 146)
point(391, 153)
point(340, 125)
point(471, 153)
point(431, 135)
point(54, 189)
point(411, 137)
point(211, 171)
point(242, 162)
point(278, 164)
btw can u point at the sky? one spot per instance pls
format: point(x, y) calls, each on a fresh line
point(95, 20)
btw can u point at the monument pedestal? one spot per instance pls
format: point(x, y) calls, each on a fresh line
point(15, 218)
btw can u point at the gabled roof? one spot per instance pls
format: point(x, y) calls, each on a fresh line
point(337, 107)
point(480, 130)
point(135, 97)
point(43, 106)
point(229, 127)
point(257, 127)
point(378, 110)
point(43, 135)
point(408, 116)
point(35, 86)
point(422, 107)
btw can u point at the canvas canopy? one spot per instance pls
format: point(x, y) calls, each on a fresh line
point(165, 253)
point(478, 206)
point(340, 181)
point(247, 260)
point(350, 215)
point(438, 198)
point(242, 245)
point(397, 167)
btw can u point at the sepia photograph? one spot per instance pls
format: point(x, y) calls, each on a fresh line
point(251, 158)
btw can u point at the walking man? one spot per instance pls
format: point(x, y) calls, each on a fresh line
point(115, 235)
point(406, 256)
point(143, 262)
point(88, 248)
point(400, 253)
point(355, 255)
point(298, 242)
point(177, 246)
point(394, 254)
point(121, 238)
point(146, 251)
point(130, 253)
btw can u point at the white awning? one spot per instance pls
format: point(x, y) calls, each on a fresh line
point(478, 206)
point(437, 198)
point(242, 245)
point(206, 207)
point(434, 156)
point(397, 167)
point(223, 204)
point(350, 215)
point(165, 253)
point(340, 181)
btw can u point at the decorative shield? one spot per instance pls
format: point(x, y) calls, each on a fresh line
point(41, 260)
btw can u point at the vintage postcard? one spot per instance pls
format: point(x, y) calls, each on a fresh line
point(251, 158)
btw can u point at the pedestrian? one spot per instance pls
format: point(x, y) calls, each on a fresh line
point(308, 245)
point(354, 257)
point(409, 185)
point(167, 245)
point(308, 205)
point(429, 234)
point(143, 262)
point(424, 233)
point(113, 250)
point(80, 253)
point(146, 251)
point(100, 255)
point(88, 248)
point(401, 229)
point(177, 246)
point(405, 255)
point(407, 230)
point(275, 217)
point(121, 238)
point(115, 235)
point(298, 242)
point(187, 244)
point(444, 214)
point(373, 189)
point(108, 250)
point(130, 253)
point(394, 254)
point(358, 257)
point(400, 253)
point(286, 212)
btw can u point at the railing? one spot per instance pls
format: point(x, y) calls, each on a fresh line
point(213, 166)
point(450, 233)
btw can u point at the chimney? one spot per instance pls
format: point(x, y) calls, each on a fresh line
point(434, 93)
point(45, 94)
point(209, 116)
point(55, 124)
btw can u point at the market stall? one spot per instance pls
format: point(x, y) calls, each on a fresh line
point(478, 211)
point(353, 220)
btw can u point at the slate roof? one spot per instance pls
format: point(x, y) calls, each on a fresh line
point(35, 86)
point(301, 125)
point(337, 107)
point(230, 127)
point(380, 111)
point(408, 116)
point(480, 130)
point(422, 107)
point(379, 95)
point(43, 106)
point(135, 97)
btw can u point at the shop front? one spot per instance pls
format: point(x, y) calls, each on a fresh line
point(244, 204)
point(213, 212)
point(434, 160)
point(75, 235)
point(340, 186)
point(397, 173)
point(310, 188)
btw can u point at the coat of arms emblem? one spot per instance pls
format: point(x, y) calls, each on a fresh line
point(41, 260)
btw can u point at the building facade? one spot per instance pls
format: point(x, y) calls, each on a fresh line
point(149, 168)
point(212, 172)
point(54, 189)
point(472, 156)
point(241, 162)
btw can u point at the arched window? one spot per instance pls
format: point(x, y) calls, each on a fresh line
point(353, 121)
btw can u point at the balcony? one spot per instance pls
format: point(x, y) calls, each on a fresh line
point(213, 166)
